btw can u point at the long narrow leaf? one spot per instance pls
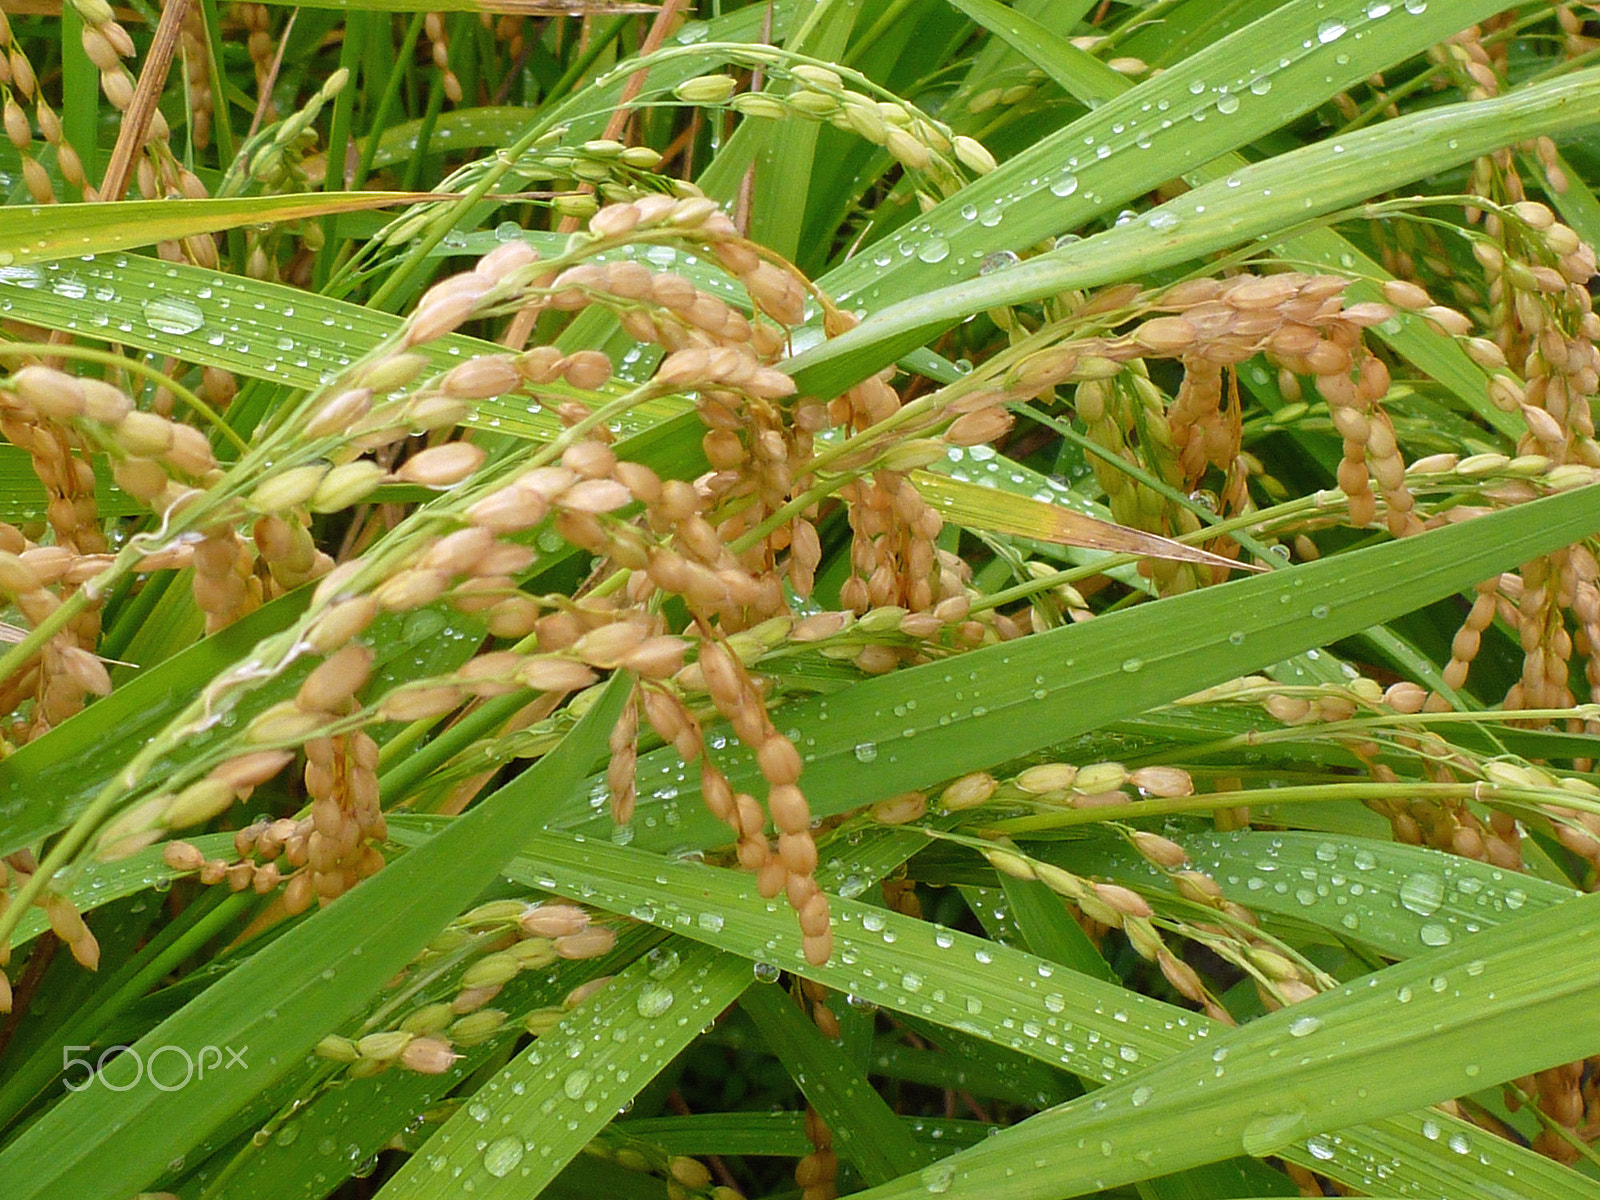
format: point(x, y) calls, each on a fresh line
point(118, 1134)
point(1005, 701)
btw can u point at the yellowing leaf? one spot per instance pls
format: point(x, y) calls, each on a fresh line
point(994, 511)
point(39, 233)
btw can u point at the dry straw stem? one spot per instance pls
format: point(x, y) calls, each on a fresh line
point(136, 118)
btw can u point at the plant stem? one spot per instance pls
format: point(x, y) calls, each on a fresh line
point(1523, 797)
point(133, 365)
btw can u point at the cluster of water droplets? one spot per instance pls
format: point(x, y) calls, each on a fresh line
point(986, 467)
point(159, 306)
point(669, 814)
point(1397, 1173)
point(1290, 873)
point(245, 325)
point(1162, 110)
point(1006, 996)
point(572, 1082)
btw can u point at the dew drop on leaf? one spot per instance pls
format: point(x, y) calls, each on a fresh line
point(938, 1178)
point(501, 1156)
point(1422, 894)
point(1264, 1135)
point(576, 1084)
point(173, 315)
point(654, 1000)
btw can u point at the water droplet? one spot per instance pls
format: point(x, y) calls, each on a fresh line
point(1064, 186)
point(1378, 9)
point(501, 1156)
point(1416, 7)
point(1320, 611)
point(1434, 934)
point(1228, 103)
point(1330, 31)
point(22, 277)
point(1141, 1096)
point(1319, 1147)
point(653, 1000)
point(1162, 221)
point(765, 972)
point(173, 314)
point(709, 921)
point(1422, 894)
point(1132, 665)
point(998, 261)
point(866, 751)
point(1261, 85)
point(1264, 1135)
point(576, 1084)
point(1303, 1026)
point(934, 250)
point(938, 1178)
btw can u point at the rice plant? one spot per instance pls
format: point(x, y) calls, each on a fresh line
point(902, 598)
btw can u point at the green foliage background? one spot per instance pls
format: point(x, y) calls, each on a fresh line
point(1226, 141)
